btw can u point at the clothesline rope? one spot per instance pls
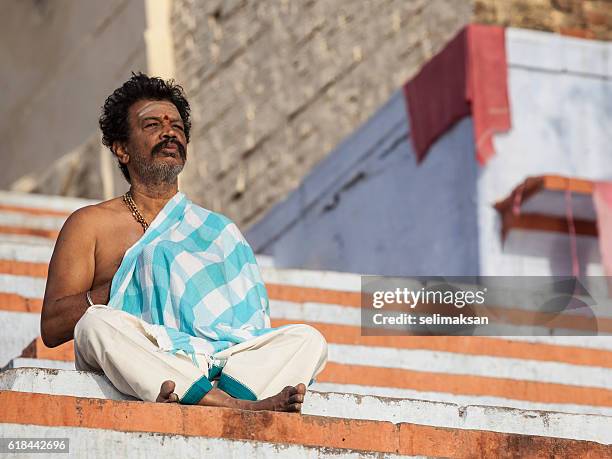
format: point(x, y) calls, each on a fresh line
point(569, 214)
point(572, 231)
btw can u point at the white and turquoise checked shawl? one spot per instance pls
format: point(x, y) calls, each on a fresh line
point(193, 277)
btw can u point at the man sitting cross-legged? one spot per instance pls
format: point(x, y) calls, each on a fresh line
point(164, 296)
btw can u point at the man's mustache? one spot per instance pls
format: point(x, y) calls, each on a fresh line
point(163, 144)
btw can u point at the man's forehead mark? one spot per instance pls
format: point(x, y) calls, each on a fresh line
point(164, 117)
point(153, 105)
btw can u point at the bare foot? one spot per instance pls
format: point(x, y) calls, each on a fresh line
point(166, 393)
point(289, 399)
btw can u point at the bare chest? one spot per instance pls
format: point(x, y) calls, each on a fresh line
point(111, 246)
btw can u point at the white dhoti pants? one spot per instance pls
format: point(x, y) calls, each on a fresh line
point(116, 343)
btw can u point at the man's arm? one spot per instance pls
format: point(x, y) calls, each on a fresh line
point(71, 273)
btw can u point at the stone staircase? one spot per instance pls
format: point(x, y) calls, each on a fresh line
point(379, 395)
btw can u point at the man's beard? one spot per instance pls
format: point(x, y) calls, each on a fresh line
point(155, 172)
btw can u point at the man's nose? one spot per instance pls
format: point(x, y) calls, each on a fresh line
point(168, 132)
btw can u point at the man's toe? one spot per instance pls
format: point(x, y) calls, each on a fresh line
point(289, 390)
point(166, 392)
point(295, 408)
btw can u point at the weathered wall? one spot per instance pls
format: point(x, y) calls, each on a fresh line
point(275, 85)
point(581, 18)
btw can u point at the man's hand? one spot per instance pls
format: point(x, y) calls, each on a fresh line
point(101, 294)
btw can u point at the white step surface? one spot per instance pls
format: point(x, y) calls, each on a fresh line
point(113, 444)
point(460, 399)
point(17, 330)
point(42, 201)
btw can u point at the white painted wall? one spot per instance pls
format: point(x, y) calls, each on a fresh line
point(561, 103)
point(368, 208)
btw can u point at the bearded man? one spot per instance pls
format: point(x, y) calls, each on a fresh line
point(164, 296)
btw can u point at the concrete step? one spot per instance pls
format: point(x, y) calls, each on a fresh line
point(525, 380)
point(455, 396)
point(16, 333)
point(464, 366)
point(38, 216)
point(25, 253)
point(48, 364)
point(350, 406)
point(312, 431)
point(376, 391)
point(40, 204)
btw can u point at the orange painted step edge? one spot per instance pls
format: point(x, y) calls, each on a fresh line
point(18, 303)
point(428, 441)
point(465, 384)
point(466, 345)
point(37, 350)
point(315, 431)
point(34, 211)
point(24, 268)
point(50, 234)
point(313, 295)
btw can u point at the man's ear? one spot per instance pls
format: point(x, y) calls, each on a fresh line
point(121, 152)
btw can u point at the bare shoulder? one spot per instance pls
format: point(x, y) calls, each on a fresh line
point(112, 205)
point(85, 222)
point(95, 213)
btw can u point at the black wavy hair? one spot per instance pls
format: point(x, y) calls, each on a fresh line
point(114, 121)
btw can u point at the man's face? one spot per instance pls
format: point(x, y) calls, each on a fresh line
point(157, 147)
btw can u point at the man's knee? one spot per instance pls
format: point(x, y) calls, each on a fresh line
point(314, 338)
point(90, 325)
point(89, 337)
